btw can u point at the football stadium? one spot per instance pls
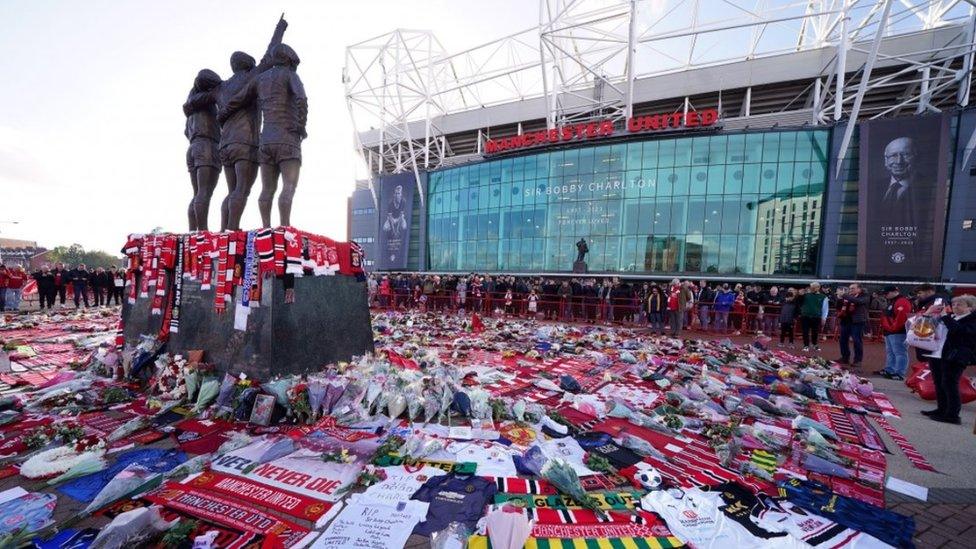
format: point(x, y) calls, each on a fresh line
point(806, 141)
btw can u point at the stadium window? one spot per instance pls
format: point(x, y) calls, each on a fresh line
point(967, 266)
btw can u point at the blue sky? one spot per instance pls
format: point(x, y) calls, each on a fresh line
point(91, 131)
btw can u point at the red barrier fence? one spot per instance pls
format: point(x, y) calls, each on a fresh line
point(623, 311)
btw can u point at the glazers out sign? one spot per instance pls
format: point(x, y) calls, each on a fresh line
point(603, 128)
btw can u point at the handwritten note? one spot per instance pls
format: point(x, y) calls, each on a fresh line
point(371, 525)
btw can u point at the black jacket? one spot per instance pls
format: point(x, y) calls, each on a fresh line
point(853, 308)
point(78, 277)
point(960, 344)
point(706, 296)
point(45, 281)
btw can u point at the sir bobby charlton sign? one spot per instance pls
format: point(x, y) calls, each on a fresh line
point(902, 195)
point(603, 128)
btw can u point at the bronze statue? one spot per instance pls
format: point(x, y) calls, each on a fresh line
point(201, 157)
point(239, 132)
point(581, 250)
point(280, 96)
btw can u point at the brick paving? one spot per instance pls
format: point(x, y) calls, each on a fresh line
point(949, 525)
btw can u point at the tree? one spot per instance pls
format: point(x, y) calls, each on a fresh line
point(74, 254)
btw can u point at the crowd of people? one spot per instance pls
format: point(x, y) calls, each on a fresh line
point(87, 287)
point(850, 312)
point(722, 308)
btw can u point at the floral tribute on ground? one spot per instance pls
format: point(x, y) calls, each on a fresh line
point(515, 434)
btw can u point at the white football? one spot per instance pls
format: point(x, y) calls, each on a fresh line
point(650, 478)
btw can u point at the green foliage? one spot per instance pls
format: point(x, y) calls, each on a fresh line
point(74, 254)
point(599, 463)
point(179, 535)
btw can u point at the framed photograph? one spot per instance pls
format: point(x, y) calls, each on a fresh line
point(261, 412)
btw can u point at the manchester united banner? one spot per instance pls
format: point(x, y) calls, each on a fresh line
point(902, 196)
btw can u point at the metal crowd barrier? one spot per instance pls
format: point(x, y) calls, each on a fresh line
point(622, 311)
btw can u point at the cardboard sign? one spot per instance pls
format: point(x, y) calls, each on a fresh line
point(369, 524)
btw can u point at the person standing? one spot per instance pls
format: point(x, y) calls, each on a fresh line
point(769, 304)
point(371, 288)
point(705, 300)
point(97, 283)
point(462, 293)
point(45, 287)
point(958, 352)
point(118, 284)
point(60, 281)
point(656, 307)
point(812, 315)
point(533, 303)
point(79, 277)
point(739, 309)
point(676, 309)
point(16, 278)
point(893, 319)
point(723, 304)
point(876, 307)
point(852, 315)
point(4, 280)
point(788, 311)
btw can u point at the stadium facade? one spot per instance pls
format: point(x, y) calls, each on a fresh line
point(847, 155)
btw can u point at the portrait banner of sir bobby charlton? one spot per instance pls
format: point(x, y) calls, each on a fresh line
point(902, 196)
point(396, 208)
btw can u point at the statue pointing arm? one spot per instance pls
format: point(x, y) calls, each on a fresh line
point(279, 33)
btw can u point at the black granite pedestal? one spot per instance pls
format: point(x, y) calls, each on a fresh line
point(328, 322)
point(579, 267)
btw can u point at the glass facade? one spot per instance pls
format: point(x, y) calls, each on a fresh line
point(727, 203)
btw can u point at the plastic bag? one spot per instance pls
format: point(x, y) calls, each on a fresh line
point(226, 392)
point(192, 380)
point(925, 333)
point(208, 392)
point(135, 424)
point(454, 536)
point(132, 528)
point(126, 482)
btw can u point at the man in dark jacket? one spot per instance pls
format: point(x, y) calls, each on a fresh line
point(45, 286)
point(852, 314)
point(958, 352)
point(99, 284)
point(79, 284)
point(705, 300)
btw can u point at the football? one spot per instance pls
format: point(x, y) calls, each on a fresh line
point(650, 478)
